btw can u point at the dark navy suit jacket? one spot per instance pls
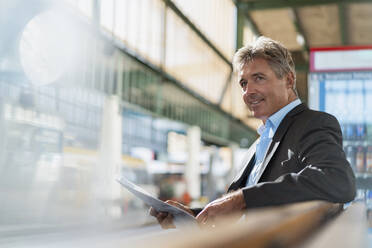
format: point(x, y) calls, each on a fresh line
point(305, 161)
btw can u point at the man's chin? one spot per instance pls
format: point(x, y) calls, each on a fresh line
point(259, 115)
point(256, 115)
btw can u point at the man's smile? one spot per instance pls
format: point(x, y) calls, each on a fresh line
point(256, 102)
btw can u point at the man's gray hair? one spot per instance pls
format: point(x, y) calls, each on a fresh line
point(277, 56)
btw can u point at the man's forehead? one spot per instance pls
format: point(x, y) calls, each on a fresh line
point(257, 65)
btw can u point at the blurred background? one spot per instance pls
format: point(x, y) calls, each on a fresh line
point(95, 89)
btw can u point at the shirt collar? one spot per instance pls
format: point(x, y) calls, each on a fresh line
point(273, 122)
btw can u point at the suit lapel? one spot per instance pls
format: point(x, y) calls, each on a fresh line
point(279, 134)
point(246, 166)
point(267, 159)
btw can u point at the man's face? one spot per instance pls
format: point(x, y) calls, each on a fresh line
point(263, 92)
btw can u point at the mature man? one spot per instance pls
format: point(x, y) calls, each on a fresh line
point(298, 156)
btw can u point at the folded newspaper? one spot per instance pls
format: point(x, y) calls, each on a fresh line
point(179, 216)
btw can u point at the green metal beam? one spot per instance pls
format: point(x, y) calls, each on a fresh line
point(239, 28)
point(241, 8)
point(224, 90)
point(179, 13)
point(252, 24)
point(274, 4)
point(300, 30)
point(342, 20)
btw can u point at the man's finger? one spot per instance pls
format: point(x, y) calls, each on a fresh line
point(168, 222)
point(153, 212)
point(181, 206)
point(201, 218)
point(161, 216)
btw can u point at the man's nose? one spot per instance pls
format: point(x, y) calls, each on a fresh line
point(248, 88)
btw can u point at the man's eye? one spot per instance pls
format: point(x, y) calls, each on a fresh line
point(259, 78)
point(243, 84)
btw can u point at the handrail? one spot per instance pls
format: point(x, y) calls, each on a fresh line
point(347, 230)
point(283, 226)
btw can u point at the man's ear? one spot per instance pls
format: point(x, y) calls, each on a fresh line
point(290, 80)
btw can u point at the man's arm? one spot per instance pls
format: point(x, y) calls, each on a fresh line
point(326, 174)
point(226, 205)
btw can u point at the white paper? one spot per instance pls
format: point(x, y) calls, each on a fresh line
point(179, 215)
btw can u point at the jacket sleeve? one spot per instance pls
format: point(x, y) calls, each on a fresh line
point(326, 174)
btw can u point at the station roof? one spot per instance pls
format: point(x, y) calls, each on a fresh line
point(304, 24)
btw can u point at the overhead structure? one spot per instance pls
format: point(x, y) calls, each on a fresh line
point(319, 22)
point(301, 25)
point(177, 64)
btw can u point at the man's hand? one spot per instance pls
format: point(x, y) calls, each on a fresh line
point(225, 205)
point(166, 219)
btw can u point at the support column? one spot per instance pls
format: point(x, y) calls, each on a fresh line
point(211, 190)
point(234, 163)
point(110, 149)
point(193, 163)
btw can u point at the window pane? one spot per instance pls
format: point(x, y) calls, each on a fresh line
point(106, 15)
point(192, 62)
point(86, 7)
point(216, 19)
point(137, 23)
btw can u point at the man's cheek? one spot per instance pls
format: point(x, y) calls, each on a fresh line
point(246, 103)
point(249, 107)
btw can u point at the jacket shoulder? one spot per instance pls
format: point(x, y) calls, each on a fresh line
point(310, 114)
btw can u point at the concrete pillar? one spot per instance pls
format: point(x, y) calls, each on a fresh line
point(210, 190)
point(193, 164)
point(234, 163)
point(110, 149)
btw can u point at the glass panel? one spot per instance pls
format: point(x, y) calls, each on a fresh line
point(216, 19)
point(106, 15)
point(86, 7)
point(137, 23)
point(192, 62)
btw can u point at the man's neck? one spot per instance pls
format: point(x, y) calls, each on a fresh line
point(293, 98)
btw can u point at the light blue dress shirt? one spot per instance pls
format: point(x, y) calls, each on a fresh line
point(266, 133)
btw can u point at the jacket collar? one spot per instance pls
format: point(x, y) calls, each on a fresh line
point(280, 132)
point(287, 120)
